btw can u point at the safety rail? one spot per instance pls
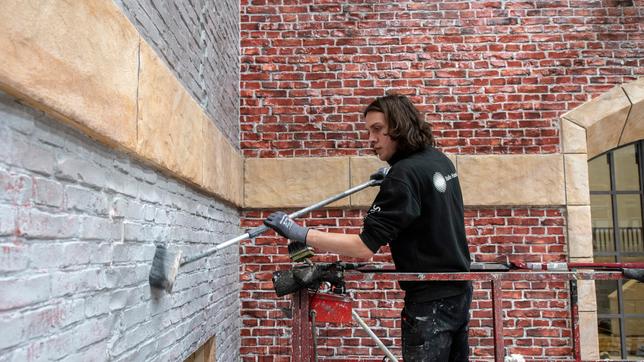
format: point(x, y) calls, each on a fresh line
point(303, 340)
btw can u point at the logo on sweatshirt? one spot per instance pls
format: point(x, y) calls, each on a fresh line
point(374, 209)
point(440, 181)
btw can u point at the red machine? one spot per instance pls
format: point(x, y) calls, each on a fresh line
point(331, 308)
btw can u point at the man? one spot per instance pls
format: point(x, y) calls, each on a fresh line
point(419, 212)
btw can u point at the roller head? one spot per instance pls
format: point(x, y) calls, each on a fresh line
point(165, 266)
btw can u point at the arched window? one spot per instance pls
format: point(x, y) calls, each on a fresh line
point(616, 184)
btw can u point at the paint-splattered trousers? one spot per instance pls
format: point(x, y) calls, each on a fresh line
point(437, 330)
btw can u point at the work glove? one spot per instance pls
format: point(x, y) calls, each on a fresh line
point(280, 222)
point(379, 175)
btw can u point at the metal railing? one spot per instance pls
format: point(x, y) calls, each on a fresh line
point(302, 341)
point(630, 238)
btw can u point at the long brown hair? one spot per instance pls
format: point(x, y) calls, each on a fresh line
point(406, 126)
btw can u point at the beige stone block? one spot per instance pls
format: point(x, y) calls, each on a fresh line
point(586, 296)
point(604, 135)
point(635, 90)
point(599, 108)
point(573, 137)
point(170, 121)
point(294, 182)
point(604, 118)
point(361, 169)
point(76, 60)
point(580, 240)
point(588, 336)
point(511, 179)
point(577, 190)
point(452, 157)
point(634, 129)
point(223, 166)
point(581, 260)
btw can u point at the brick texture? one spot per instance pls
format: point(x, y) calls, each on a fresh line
point(492, 76)
point(536, 317)
point(78, 228)
point(199, 40)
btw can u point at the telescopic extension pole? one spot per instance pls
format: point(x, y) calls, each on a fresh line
point(373, 336)
point(166, 264)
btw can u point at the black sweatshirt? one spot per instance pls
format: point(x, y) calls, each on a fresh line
point(419, 212)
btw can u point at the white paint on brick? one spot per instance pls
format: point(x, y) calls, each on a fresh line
point(99, 228)
point(71, 168)
point(15, 117)
point(76, 247)
point(16, 189)
point(9, 324)
point(71, 283)
point(7, 219)
point(102, 253)
point(13, 256)
point(79, 199)
point(45, 225)
point(24, 291)
point(48, 192)
point(49, 256)
point(37, 159)
point(132, 252)
point(95, 352)
point(96, 305)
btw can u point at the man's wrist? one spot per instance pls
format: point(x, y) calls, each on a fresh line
point(301, 233)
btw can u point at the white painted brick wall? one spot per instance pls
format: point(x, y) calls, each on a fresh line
point(78, 228)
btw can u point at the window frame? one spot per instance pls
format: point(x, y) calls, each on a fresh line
point(616, 234)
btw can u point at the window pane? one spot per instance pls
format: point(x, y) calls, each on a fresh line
point(599, 174)
point(609, 341)
point(635, 338)
point(606, 292)
point(626, 173)
point(602, 219)
point(629, 212)
point(633, 294)
point(638, 258)
point(605, 259)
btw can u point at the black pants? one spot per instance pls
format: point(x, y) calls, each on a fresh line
point(437, 330)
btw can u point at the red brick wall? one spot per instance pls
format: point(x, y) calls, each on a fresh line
point(492, 77)
point(536, 313)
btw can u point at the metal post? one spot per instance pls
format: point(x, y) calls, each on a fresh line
point(373, 336)
point(497, 322)
point(574, 317)
point(302, 338)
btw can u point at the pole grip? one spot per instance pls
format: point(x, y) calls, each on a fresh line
point(256, 231)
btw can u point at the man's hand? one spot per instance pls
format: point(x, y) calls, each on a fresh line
point(280, 222)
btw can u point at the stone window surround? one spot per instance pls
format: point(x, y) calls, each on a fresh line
point(614, 119)
point(117, 101)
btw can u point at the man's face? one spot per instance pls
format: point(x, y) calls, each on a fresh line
point(379, 138)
